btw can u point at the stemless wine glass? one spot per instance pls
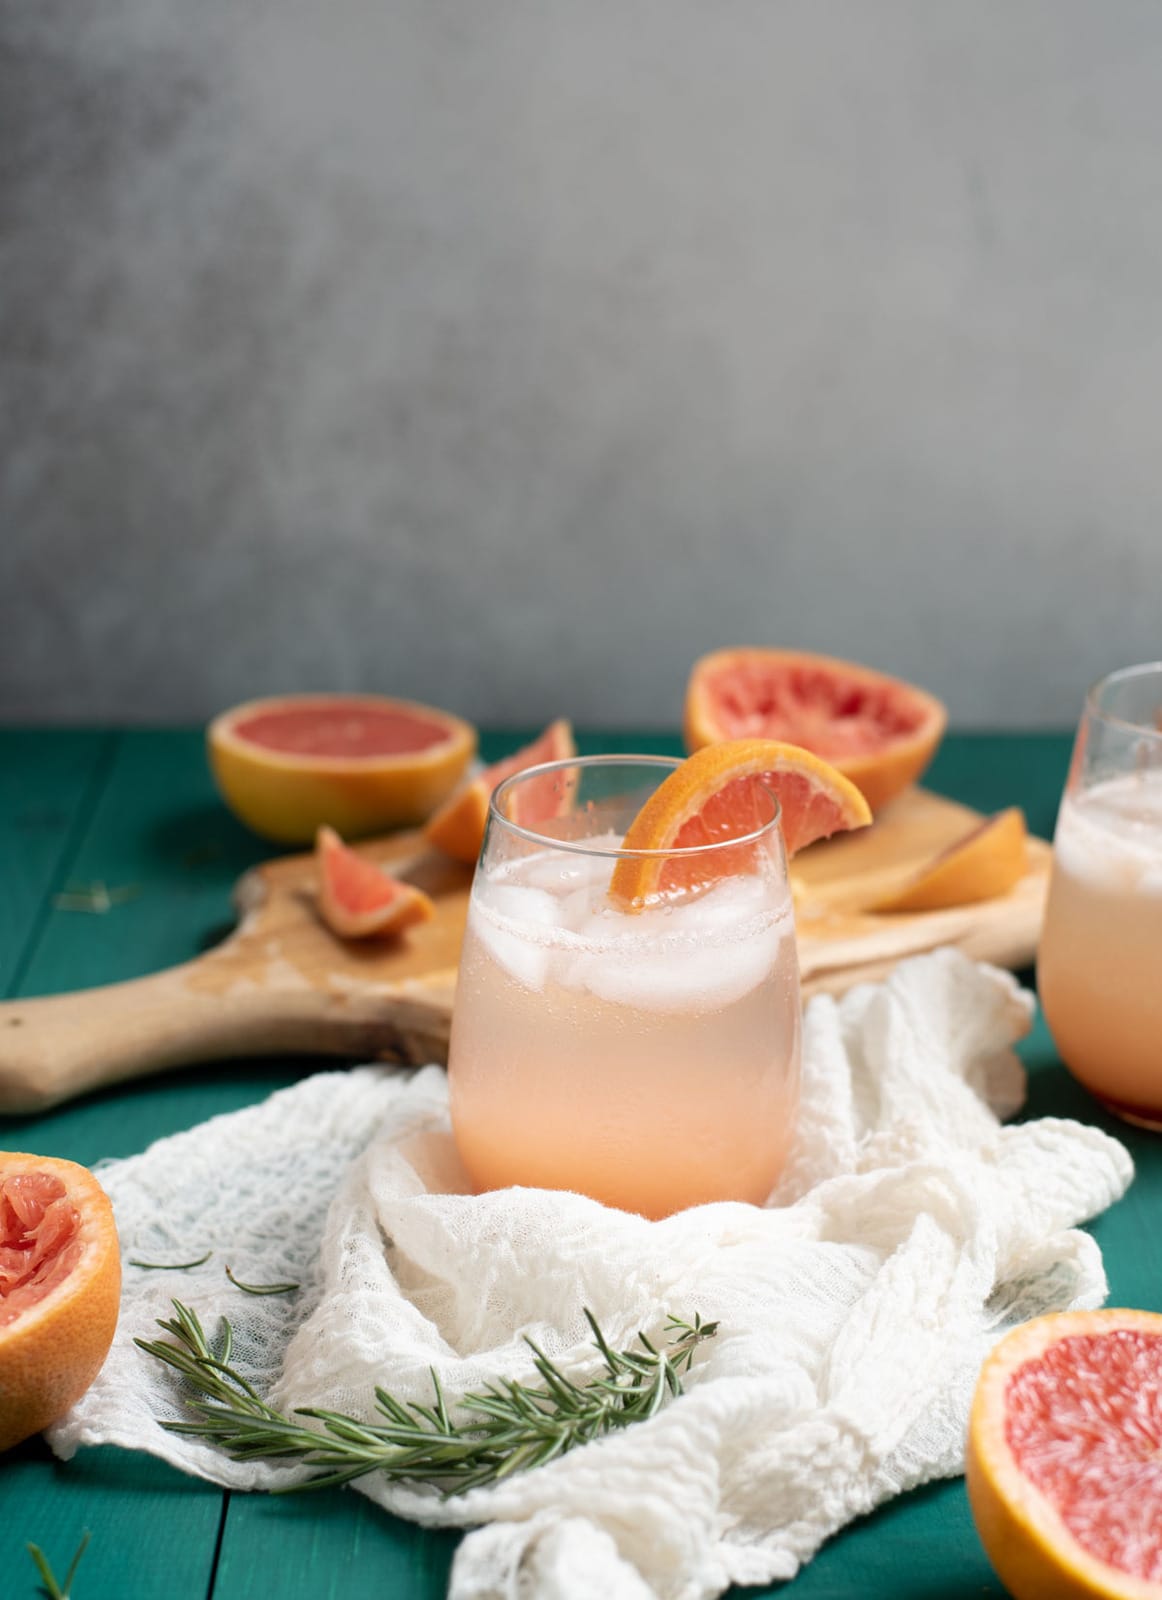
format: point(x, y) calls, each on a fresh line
point(648, 1057)
point(1100, 961)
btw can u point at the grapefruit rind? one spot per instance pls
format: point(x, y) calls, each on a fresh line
point(825, 803)
point(880, 773)
point(986, 863)
point(358, 899)
point(457, 828)
point(286, 796)
point(52, 1352)
point(1035, 1555)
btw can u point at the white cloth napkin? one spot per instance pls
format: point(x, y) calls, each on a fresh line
point(909, 1232)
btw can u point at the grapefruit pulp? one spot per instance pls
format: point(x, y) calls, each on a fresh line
point(717, 795)
point(877, 730)
point(358, 763)
point(358, 900)
point(1064, 1468)
point(986, 863)
point(60, 1289)
point(458, 826)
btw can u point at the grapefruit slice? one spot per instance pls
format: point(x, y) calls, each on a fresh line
point(60, 1289)
point(985, 863)
point(879, 731)
point(358, 900)
point(458, 826)
point(717, 795)
point(361, 763)
point(1064, 1467)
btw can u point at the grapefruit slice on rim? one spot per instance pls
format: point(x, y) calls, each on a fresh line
point(986, 863)
point(357, 899)
point(60, 1289)
point(878, 730)
point(1064, 1468)
point(717, 795)
point(458, 826)
point(360, 763)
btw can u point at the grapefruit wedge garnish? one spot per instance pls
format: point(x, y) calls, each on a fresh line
point(458, 826)
point(716, 795)
point(60, 1289)
point(1064, 1465)
point(357, 899)
point(878, 730)
point(987, 862)
point(361, 763)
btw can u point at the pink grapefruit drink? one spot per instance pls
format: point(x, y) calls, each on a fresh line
point(647, 1057)
point(1100, 959)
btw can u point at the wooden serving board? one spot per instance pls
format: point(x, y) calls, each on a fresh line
point(281, 983)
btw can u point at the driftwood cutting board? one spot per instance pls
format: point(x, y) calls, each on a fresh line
point(281, 983)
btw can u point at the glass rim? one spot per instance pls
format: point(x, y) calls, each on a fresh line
point(618, 852)
point(1094, 707)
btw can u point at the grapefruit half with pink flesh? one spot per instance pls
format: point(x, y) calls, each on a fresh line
point(1064, 1467)
point(359, 763)
point(358, 900)
point(458, 826)
point(877, 730)
point(60, 1289)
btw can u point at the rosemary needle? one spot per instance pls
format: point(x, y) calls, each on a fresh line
point(53, 1589)
point(262, 1288)
point(507, 1427)
point(171, 1266)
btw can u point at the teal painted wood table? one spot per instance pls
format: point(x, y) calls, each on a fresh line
point(137, 812)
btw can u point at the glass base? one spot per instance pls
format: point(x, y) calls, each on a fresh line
point(1140, 1116)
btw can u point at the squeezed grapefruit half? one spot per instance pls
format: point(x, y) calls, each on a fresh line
point(722, 793)
point(986, 863)
point(1064, 1468)
point(60, 1289)
point(877, 730)
point(358, 900)
point(458, 826)
point(359, 763)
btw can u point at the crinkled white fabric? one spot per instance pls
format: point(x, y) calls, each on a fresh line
point(909, 1231)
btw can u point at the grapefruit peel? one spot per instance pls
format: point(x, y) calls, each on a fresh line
point(60, 1289)
point(358, 899)
point(457, 828)
point(983, 864)
point(286, 791)
point(711, 798)
point(1024, 1530)
point(879, 731)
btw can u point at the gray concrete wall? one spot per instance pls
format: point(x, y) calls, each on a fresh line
point(510, 353)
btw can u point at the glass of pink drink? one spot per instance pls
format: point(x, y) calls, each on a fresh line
point(1099, 968)
point(648, 1058)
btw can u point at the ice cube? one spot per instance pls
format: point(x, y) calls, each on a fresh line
point(516, 925)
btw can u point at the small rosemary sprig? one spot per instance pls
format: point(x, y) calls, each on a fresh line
point(52, 1588)
point(262, 1288)
point(508, 1426)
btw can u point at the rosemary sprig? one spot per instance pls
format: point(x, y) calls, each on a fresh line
point(53, 1589)
point(508, 1426)
point(262, 1288)
point(172, 1266)
point(96, 897)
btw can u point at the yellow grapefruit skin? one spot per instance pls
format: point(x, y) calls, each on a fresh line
point(329, 770)
point(53, 1341)
point(879, 731)
point(986, 863)
point(1023, 1530)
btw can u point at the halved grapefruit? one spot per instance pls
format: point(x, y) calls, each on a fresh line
point(357, 899)
point(986, 863)
point(60, 1289)
point(458, 826)
point(877, 730)
point(717, 795)
point(360, 763)
point(1064, 1468)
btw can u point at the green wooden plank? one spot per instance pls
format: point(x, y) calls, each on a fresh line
point(47, 783)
